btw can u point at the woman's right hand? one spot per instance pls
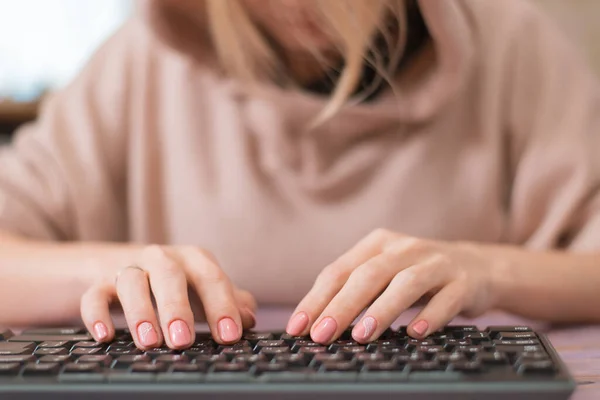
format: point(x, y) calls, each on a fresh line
point(164, 274)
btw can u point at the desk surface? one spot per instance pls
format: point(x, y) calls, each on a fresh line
point(578, 346)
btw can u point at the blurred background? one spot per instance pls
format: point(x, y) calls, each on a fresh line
point(44, 43)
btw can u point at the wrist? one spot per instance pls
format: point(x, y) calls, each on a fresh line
point(502, 278)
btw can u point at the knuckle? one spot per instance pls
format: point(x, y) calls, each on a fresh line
point(154, 252)
point(404, 246)
point(409, 277)
point(213, 276)
point(367, 272)
point(196, 254)
point(175, 306)
point(331, 274)
point(381, 234)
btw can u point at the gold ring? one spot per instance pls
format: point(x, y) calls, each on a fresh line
point(133, 266)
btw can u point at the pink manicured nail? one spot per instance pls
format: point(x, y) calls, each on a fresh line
point(180, 334)
point(421, 327)
point(101, 331)
point(147, 334)
point(365, 329)
point(297, 324)
point(228, 330)
point(324, 332)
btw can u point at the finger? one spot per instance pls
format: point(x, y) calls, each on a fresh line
point(247, 306)
point(95, 312)
point(168, 283)
point(332, 279)
point(364, 284)
point(217, 295)
point(133, 290)
point(406, 288)
point(442, 308)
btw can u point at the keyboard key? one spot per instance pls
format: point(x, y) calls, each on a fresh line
point(83, 351)
point(87, 344)
point(517, 342)
point(271, 352)
point(496, 331)
point(5, 334)
point(258, 336)
point(312, 350)
point(293, 360)
point(537, 356)
point(339, 366)
point(172, 358)
point(492, 358)
point(146, 367)
point(210, 358)
point(101, 359)
point(270, 343)
point(128, 377)
point(536, 367)
point(197, 351)
point(230, 367)
point(321, 358)
point(263, 367)
point(370, 366)
point(364, 357)
point(243, 344)
point(53, 344)
point(50, 338)
point(290, 339)
point(15, 349)
point(425, 366)
point(33, 369)
point(510, 349)
point(9, 369)
point(68, 331)
point(351, 350)
point(25, 358)
point(124, 362)
point(55, 359)
point(50, 351)
point(250, 358)
point(123, 351)
point(299, 344)
point(445, 358)
point(516, 335)
point(188, 368)
point(477, 337)
point(466, 366)
point(159, 352)
point(81, 368)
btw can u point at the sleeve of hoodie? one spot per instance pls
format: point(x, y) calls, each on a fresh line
point(68, 166)
point(554, 118)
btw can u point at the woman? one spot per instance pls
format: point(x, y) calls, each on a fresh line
point(252, 145)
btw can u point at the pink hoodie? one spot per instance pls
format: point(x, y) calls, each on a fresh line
point(493, 136)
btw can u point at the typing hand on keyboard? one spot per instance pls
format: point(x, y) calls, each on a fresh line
point(388, 273)
point(165, 275)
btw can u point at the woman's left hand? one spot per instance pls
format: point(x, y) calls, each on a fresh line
point(387, 273)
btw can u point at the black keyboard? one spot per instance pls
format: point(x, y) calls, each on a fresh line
point(460, 362)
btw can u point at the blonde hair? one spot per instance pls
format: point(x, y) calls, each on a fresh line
point(245, 53)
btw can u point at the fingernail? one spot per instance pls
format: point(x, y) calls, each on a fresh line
point(365, 329)
point(180, 333)
point(101, 331)
point(324, 332)
point(228, 330)
point(147, 334)
point(421, 327)
point(297, 324)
